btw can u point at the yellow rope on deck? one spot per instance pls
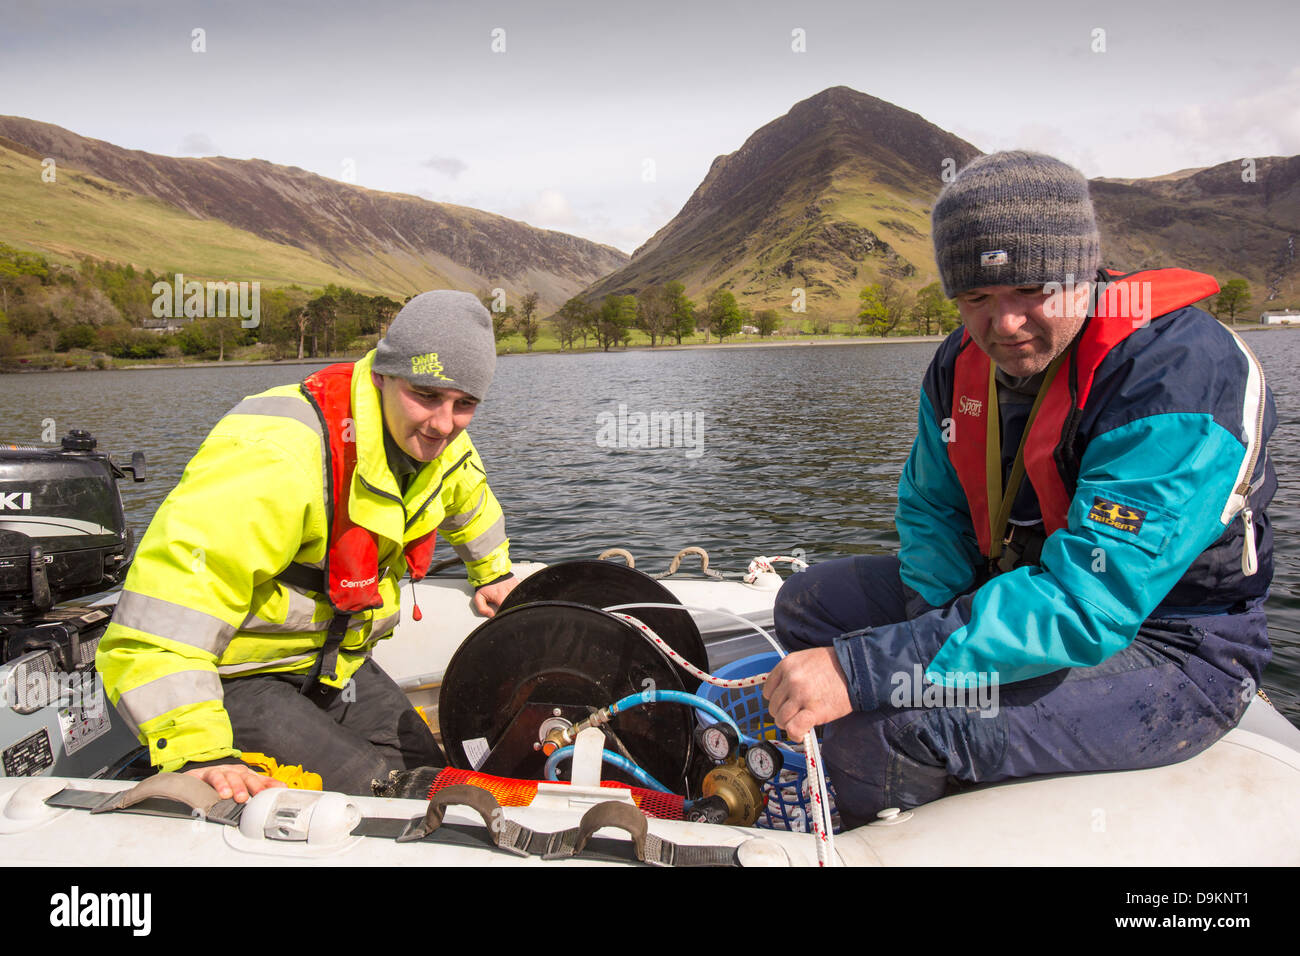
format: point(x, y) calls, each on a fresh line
point(293, 776)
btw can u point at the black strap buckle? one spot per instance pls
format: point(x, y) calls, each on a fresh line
point(328, 658)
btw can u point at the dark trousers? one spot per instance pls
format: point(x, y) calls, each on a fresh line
point(350, 737)
point(1148, 705)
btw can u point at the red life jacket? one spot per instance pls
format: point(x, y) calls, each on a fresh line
point(352, 561)
point(1111, 323)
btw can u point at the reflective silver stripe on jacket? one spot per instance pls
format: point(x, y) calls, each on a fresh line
point(299, 616)
point(456, 522)
point(281, 406)
point(478, 548)
point(184, 625)
point(382, 627)
point(157, 697)
point(226, 670)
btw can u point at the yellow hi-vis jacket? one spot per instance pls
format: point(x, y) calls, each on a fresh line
point(201, 601)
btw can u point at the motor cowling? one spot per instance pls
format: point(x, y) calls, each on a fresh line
point(63, 534)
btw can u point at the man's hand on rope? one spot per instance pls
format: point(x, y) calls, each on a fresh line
point(807, 689)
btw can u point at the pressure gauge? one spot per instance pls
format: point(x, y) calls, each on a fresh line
point(764, 761)
point(718, 741)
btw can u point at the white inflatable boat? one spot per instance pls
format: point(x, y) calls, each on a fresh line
point(1236, 803)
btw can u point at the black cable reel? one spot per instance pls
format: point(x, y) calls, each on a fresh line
point(551, 657)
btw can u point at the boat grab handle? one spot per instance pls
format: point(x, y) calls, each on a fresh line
point(180, 788)
point(504, 833)
point(613, 813)
point(677, 563)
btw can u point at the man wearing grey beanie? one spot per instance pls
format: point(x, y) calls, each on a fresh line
point(1084, 544)
point(265, 579)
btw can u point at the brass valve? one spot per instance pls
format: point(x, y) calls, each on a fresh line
point(737, 787)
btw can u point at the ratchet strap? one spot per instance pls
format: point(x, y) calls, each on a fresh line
point(158, 796)
point(513, 838)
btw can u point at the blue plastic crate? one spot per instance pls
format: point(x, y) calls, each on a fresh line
point(788, 801)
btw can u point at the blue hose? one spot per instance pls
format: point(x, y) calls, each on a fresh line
point(617, 760)
point(636, 700)
point(680, 697)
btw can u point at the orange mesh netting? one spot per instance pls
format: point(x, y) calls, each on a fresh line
point(520, 793)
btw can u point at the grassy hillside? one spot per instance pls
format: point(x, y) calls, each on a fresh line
point(381, 240)
point(829, 198)
point(82, 215)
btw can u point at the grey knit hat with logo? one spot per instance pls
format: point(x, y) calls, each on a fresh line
point(441, 339)
point(1015, 218)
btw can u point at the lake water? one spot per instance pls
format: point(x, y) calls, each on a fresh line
point(776, 449)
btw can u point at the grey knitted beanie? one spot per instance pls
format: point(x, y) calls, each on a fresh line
point(441, 339)
point(1015, 218)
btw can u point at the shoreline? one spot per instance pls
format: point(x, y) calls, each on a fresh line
point(710, 346)
point(232, 363)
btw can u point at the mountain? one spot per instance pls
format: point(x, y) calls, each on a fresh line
point(827, 198)
point(838, 192)
point(384, 241)
point(83, 215)
point(1234, 220)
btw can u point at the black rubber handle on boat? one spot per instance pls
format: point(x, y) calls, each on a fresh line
point(612, 813)
point(465, 795)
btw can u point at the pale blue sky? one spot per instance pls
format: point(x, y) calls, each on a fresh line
point(556, 130)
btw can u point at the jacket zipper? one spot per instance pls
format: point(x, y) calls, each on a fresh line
point(437, 490)
point(1249, 556)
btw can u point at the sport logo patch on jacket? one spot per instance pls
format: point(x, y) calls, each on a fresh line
point(1117, 516)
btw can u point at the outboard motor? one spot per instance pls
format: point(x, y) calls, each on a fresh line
point(63, 536)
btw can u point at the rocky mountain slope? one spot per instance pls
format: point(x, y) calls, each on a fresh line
point(386, 241)
point(838, 192)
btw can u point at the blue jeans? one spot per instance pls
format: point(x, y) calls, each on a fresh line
point(1156, 702)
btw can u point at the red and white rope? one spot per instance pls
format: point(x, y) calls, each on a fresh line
point(765, 564)
point(823, 832)
point(686, 665)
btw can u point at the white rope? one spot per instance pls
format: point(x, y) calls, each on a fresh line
point(765, 564)
point(823, 830)
point(681, 661)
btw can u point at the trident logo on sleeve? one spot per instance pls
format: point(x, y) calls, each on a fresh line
point(1117, 516)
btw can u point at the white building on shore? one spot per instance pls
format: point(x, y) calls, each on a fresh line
point(1283, 317)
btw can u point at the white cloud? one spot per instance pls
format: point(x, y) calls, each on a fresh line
point(198, 144)
point(550, 210)
point(1262, 122)
point(449, 166)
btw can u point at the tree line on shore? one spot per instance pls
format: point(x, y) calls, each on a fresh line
point(663, 311)
point(108, 309)
point(660, 311)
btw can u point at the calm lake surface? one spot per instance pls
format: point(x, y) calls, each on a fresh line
point(800, 448)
